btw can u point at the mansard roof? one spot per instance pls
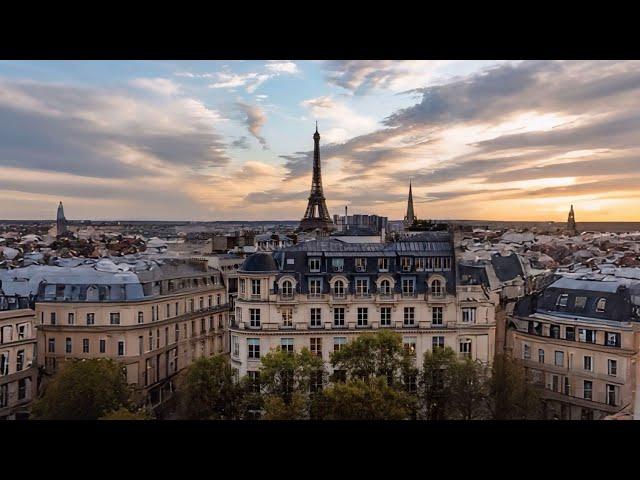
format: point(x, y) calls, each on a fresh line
point(259, 262)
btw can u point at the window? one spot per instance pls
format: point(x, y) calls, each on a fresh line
point(140, 345)
point(526, 352)
point(611, 395)
point(362, 286)
point(465, 348)
point(4, 395)
point(338, 343)
point(254, 377)
point(53, 318)
point(52, 345)
point(19, 360)
point(255, 287)
point(361, 264)
point(22, 331)
point(409, 344)
point(71, 318)
point(176, 332)
point(363, 316)
point(315, 286)
point(383, 264)
point(437, 342)
point(287, 288)
point(420, 264)
point(446, 263)
point(286, 344)
point(587, 363)
point(554, 331)
point(242, 286)
point(85, 345)
point(559, 358)
point(253, 346)
point(567, 386)
point(314, 264)
point(588, 390)
point(385, 316)
point(4, 363)
point(200, 303)
point(315, 345)
point(316, 381)
point(338, 316)
point(91, 318)
point(612, 367)
point(114, 318)
point(570, 333)
point(254, 316)
point(555, 383)
point(436, 288)
point(22, 389)
point(209, 303)
point(469, 315)
point(67, 345)
point(579, 303)
point(203, 327)
point(337, 264)
point(586, 335)
point(436, 315)
point(287, 317)
point(408, 286)
point(121, 348)
point(562, 300)
point(316, 317)
point(235, 346)
point(409, 315)
point(338, 288)
point(103, 346)
point(405, 264)
point(540, 355)
point(385, 287)
point(601, 305)
point(141, 317)
point(612, 339)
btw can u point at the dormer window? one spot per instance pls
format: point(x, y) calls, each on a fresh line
point(338, 288)
point(420, 264)
point(562, 300)
point(287, 288)
point(383, 264)
point(405, 263)
point(314, 264)
point(436, 288)
point(579, 303)
point(385, 287)
point(601, 305)
point(361, 264)
point(337, 264)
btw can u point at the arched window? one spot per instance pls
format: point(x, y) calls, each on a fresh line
point(385, 287)
point(436, 288)
point(92, 294)
point(601, 305)
point(338, 288)
point(287, 288)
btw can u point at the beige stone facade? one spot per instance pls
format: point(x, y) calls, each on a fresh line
point(18, 373)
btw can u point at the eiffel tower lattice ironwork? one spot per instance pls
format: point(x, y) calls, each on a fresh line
point(317, 215)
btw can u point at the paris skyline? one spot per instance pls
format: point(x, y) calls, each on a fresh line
point(232, 140)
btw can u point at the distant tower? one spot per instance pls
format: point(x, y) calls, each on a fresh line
point(571, 222)
point(317, 215)
point(61, 222)
point(410, 217)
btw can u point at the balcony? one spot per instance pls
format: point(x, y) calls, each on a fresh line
point(409, 295)
point(315, 296)
point(362, 295)
point(287, 297)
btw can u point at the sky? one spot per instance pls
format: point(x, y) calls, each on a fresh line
point(233, 140)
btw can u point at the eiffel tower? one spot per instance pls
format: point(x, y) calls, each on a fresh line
point(317, 215)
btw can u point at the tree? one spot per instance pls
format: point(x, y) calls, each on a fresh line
point(511, 393)
point(362, 400)
point(286, 378)
point(84, 390)
point(124, 413)
point(370, 356)
point(207, 390)
point(435, 386)
point(469, 390)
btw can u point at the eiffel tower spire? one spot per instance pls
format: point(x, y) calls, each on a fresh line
point(410, 217)
point(317, 215)
point(571, 222)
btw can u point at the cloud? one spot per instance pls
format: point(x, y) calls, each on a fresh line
point(254, 118)
point(282, 67)
point(161, 86)
point(343, 121)
point(251, 80)
point(240, 143)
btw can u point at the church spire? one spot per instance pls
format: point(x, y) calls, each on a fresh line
point(410, 218)
point(571, 222)
point(61, 222)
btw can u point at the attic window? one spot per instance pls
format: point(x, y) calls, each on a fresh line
point(601, 305)
point(562, 300)
point(580, 302)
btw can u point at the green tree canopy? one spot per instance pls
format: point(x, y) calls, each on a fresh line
point(373, 355)
point(124, 413)
point(362, 400)
point(84, 390)
point(435, 386)
point(512, 395)
point(469, 390)
point(206, 390)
